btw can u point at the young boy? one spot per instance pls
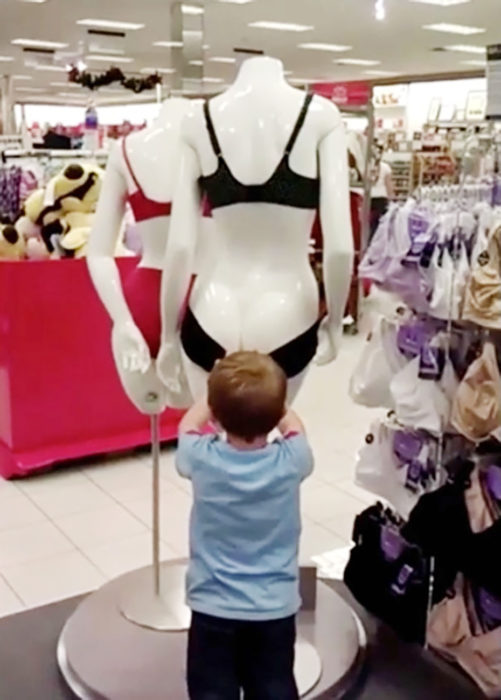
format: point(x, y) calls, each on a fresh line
point(242, 583)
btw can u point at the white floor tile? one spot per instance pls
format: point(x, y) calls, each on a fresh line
point(16, 510)
point(115, 475)
point(98, 527)
point(60, 478)
point(315, 540)
point(47, 580)
point(28, 544)
point(126, 555)
point(10, 603)
point(70, 498)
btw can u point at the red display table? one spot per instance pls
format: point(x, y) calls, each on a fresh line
point(60, 396)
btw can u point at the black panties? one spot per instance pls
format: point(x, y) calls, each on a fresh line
point(293, 357)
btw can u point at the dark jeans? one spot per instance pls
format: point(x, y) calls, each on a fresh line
point(225, 656)
point(379, 207)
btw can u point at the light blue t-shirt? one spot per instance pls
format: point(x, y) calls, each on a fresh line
point(245, 525)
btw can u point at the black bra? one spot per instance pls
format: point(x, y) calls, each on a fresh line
point(283, 187)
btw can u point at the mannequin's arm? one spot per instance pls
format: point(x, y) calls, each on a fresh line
point(103, 268)
point(180, 252)
point(335, 217)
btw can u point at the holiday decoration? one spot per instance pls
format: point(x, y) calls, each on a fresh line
point(113, 75)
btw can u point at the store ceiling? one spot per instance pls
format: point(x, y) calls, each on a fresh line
point(399, 43)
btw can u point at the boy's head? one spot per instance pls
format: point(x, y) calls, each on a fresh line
point(247, 393)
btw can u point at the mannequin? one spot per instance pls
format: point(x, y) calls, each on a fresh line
point(261, 292)
point(142, 169)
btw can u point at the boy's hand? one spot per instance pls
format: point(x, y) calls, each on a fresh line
point(291, 423)
point(196, 418)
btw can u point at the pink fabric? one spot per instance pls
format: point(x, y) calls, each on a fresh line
point(142, 293)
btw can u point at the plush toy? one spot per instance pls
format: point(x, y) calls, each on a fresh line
point(12, 245)
point(75, 189)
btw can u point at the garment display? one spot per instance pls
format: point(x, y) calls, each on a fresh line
point(10, 200)
point(284, 186)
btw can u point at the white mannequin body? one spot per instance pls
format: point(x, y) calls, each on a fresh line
point(154, 155)
point(261, 291)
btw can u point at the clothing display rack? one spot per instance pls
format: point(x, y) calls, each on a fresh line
point(435, 364)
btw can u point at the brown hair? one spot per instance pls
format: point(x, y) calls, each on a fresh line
point(247, 393)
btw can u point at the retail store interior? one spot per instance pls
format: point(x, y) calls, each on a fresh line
point(142, 238)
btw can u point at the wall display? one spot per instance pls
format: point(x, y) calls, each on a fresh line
point(447, 112)
point(390, 96)
point(476, 105)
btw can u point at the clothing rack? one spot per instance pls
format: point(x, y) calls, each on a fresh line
point(53, 154)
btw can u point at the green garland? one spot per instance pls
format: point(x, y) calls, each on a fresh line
point(113, 75)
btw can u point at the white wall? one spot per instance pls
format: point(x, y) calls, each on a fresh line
point(450, 92)
point(72, 116)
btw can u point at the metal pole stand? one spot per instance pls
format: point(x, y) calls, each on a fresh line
point(156, 602)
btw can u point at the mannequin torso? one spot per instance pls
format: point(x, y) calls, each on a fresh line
point(145, 167)
point(260, 293)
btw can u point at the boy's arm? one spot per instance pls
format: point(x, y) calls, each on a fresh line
point(291, 423)
point(196, 417)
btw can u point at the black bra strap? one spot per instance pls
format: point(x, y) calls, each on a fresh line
point(211, 130)
point(299, 123)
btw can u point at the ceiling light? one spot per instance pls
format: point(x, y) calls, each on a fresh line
point(466, 48)
point(55, 69)
point(281, 26)
point(316, 46)
point(110, 59)
point(454, 28)
point(192, 32)
point(380, 10)
point(206, 47)
point(357, 62)
point(196, 62)
point(5, 59)
point(222, 59)
point(149, 71)
point(192, 10)
point(442, 3)
point(381, 73)
point(39, 44)
point(22, 77)
point(169, 44)
point(66, 85)
point(236, 2)
point(30, 89)
point(212, 80)
point(110, 24)
point(37, 1)
point(304, 81)
point(70, 94)
point(473, 62)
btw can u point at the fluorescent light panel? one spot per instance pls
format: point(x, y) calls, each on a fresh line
point(315, 46)
point(110, 24)
point(222, 59)
point(110, 59)
point(169, 44)
point(454, 28)
point(6, 59)
point(196, 62)
point(280, 26)
point(357, 62)
point(466, 48)
point(212, 80)
point(149, 71)
point(473, 62)
point(22, 77)
point(54, 69)
point(30, 89)
point(38, 44)
point(67, 85)
point(34, 1)
point(380, 73)
point(236, 2)
point(442, 3)
point(192, 10)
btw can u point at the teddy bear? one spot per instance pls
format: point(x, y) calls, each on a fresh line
point(75, 189)
point(12, 245)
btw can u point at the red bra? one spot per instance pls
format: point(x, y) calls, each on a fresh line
point(143, 208)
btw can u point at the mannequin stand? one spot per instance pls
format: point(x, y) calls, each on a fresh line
point(103, 656)
point(156, 601)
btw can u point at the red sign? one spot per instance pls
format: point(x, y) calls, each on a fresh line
point(355, 93)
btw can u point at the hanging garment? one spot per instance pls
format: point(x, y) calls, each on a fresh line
point(388, 575)
point(483, 293)
point(379, 361)
point(396, 465)
point(476, 409)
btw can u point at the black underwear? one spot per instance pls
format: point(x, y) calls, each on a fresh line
point(293, 357)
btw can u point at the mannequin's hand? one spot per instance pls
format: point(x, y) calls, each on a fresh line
point(329, 342)
point(171, 372)
point(132, 347)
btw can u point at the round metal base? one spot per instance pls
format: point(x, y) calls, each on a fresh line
point(103, 656)
point(165, 612)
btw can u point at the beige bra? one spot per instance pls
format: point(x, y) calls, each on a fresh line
point(476, 409)
point(483, 293)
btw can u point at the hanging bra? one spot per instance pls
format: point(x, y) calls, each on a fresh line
point(483, 293)
point(283, 187)
point(142, 207)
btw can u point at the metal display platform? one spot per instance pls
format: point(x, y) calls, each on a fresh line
point(104, 656)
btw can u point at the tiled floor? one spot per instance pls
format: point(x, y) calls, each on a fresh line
point(69, 531)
